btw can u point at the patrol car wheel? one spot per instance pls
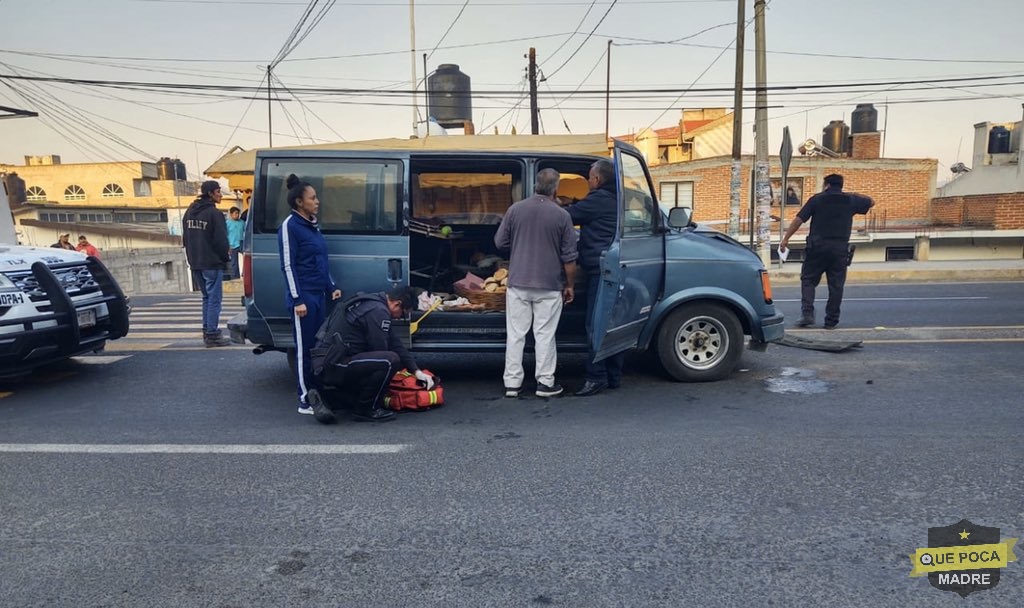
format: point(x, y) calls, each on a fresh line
point(700, 342)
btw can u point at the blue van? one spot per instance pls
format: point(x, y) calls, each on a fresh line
point(691, 295)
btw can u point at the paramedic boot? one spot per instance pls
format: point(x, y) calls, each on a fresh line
point(374, 414)
point(321, 412)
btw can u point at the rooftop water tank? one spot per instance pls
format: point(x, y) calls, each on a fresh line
point(999, 140)
point(836, 136)
point(449, 99)
point(165, 168)
point(865, 118)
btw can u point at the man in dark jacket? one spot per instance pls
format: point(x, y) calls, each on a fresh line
point(597, 216)
point(359, 353)
point(204, 232)
point(828, 246)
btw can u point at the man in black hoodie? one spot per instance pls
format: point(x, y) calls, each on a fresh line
point(205, 234)
point(597, 215)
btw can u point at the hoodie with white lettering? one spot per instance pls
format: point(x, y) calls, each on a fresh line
point(205, 234)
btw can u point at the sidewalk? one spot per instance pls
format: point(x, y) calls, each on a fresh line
point(913, 271)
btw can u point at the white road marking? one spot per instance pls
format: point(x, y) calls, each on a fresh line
point(171, 448)
point(99, 359)
point(900, 299)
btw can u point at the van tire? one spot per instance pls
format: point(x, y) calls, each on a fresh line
point(700, 342)
point(293, 362)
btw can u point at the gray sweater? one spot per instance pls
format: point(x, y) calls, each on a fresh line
point(541, 239)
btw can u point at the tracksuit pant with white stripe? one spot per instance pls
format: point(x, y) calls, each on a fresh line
point(304, 331)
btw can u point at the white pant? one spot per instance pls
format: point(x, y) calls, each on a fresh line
point(541, 309)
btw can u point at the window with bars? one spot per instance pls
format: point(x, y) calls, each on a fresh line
point(113, 191)
point(35, 193)
point(64, 218)
point(676, 194)
point(95, 217)
point(74, 192)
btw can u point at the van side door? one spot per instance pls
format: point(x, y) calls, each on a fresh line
point(632, 270)
point(362, 201)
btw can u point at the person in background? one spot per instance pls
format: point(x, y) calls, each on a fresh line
point(370, 354)
point(206, 247)
point(541, 274)
point(597, 215)
point(64, 242)
point(308, 283)
point(84, 246)
point(236, 229)
point(828, 246)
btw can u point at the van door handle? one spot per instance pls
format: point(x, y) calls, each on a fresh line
point(395, 270)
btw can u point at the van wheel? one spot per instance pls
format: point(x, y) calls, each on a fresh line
point(293, 362)
point(700, 342)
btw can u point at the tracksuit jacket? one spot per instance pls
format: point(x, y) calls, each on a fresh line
point(303, 259)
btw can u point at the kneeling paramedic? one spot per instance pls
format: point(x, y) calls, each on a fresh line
point(357, 353)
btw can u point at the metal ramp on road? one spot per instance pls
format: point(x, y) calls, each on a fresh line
point(811, 343)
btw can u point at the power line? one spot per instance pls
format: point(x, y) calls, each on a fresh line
point(445, 35)
point(575, 31)
point(315, 115)
point(585, 40)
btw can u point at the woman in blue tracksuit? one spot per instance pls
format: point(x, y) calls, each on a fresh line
point(308, 279)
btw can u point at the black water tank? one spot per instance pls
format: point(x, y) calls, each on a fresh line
point(835, 137)
point(449, 100)
point(165, 168)
point(999, 140)
point(16, 194)
point(865, 118)
point(179, 170)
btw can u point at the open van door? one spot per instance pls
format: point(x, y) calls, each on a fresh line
point(633, 268)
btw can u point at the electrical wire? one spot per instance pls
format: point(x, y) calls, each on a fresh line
point(445, 35)
point(305, 107)
point(575, 31)
point(585, 40)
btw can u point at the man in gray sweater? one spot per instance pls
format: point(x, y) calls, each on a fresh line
point(541, 275)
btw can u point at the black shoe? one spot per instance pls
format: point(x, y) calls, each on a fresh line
point(511, 393)
point(375, 415)
point(805, 321)
point(321, 412)
point(543, 390)
point(830, 325)
point(591, 388)
point(216, 339)
point(614, 385)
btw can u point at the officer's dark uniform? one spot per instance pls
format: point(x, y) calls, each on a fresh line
point(828, 246)
point(358, 354)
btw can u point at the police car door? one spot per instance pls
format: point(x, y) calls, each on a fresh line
point(632, 270)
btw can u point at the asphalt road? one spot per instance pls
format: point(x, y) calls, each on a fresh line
point(805, 479)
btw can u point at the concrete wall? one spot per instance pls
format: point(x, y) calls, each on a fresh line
point(37, 236)
point(986, 179)
point(144, 271)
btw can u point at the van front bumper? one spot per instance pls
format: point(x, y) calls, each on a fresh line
point(771, 329)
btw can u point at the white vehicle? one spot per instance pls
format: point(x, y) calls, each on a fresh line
point(54, 303)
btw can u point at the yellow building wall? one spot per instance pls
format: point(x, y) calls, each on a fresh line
point(94, 177)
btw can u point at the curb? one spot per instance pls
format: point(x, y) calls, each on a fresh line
point(960, 275)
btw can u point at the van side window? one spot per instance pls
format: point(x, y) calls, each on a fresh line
point(638, 211)
point(360, 197)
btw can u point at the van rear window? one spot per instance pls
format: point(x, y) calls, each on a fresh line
point(357, 197)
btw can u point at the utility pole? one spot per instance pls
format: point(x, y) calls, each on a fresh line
point(534, 112)
point(608, 90)
point(762, 184)
point(412, 57)
point(735, 179)
point(270, 113)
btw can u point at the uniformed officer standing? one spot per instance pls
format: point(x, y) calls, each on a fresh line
point(828, 246)
point(366, 354)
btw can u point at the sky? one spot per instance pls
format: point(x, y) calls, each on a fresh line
point(822, 47)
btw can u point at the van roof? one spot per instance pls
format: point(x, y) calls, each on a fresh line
point(238, 166)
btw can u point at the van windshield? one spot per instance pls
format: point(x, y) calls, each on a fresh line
point(361, 197)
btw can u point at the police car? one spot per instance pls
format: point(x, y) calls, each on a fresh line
point(54, 303)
